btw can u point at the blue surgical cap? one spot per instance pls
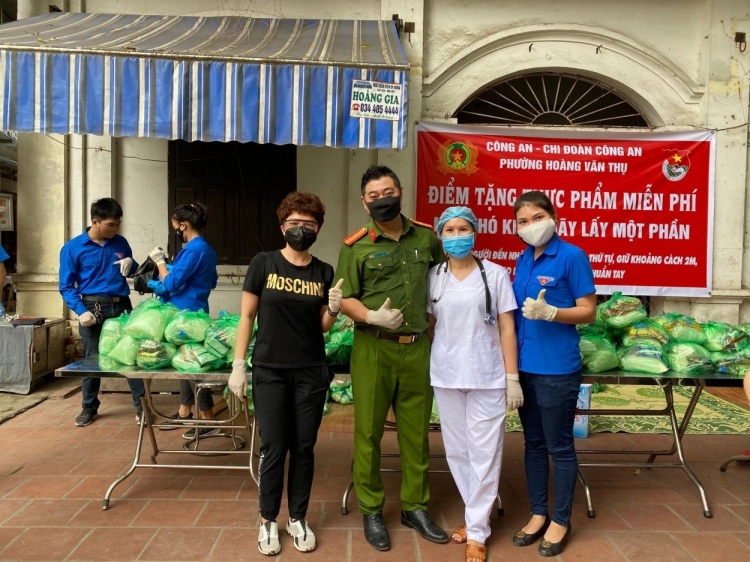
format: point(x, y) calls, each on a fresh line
point(456, 213)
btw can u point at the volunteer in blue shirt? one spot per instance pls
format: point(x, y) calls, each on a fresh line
point(93, 271)
point(554, 285)
point(187, 285)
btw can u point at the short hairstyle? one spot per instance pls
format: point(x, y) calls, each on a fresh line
point(377, 172)
point(302, 203)
point(106, 208)
point(537, 199)
point(196, 214)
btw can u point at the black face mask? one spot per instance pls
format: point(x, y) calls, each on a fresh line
point(299, 238)
point(180, 234)
point(384, 209)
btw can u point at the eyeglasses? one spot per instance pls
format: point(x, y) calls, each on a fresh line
point(311, 225)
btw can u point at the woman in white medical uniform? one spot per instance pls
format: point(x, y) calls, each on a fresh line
point(473, 370)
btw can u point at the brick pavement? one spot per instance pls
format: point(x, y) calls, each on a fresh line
point(53, 476)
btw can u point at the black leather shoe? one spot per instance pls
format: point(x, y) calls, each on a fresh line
point(420, 521)
point(375, 531)
point(522, 538)
point(547, 548)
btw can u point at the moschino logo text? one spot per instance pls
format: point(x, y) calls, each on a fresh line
point(290, 285)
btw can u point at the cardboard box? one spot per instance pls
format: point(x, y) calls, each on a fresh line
point(581, 424)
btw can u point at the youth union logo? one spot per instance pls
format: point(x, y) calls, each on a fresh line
point(676, 165)
point(458, 156)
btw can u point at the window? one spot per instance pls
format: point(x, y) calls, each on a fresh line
point(550, 99)
point(242, 184)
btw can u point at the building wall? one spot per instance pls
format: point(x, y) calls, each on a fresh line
point(676, 61)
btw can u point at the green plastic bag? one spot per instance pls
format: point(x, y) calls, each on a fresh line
point(653, 343)
point(734, 363)
point(744, 327)
point(597, 354)
point(434, 414)
point(620, 311)
point(681, 328)
point(108, 364)
point(125, 351)
point(248, 394)
point(642, 359)
point(154, 354)
point(187, 327)
point(689, 358)
point(339, 348)
point(592, 329)
point(725, 337)
point(221, 335)
point(647, 329)
point(149, 319)
point(341, 391)
point(194, 357)
point(112, 331)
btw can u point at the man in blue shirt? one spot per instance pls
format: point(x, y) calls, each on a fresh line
point(93, 271)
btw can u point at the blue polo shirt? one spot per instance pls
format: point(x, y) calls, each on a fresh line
point(86, 268)
point(3, 254)
point(193, 276)
point(551, 348)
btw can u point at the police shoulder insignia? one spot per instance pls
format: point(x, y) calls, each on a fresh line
point(352, 238)
point(424, 224)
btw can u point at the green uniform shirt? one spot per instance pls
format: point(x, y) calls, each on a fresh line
point(376, 267)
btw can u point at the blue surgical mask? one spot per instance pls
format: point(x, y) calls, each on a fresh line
point(458, 246)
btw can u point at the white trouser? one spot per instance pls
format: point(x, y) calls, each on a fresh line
point(473, 427)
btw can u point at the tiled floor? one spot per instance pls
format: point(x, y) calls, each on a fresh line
point(54, 475)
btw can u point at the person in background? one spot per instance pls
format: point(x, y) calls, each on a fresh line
point(386, 263)
point(3, 273)
point(470, 311)
point(187, 285)
point(554, 284)
point(94, 267)
point(290, 292)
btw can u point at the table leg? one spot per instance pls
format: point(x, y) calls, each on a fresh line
point(589, 500)
point(147, 406)
point(685, 419)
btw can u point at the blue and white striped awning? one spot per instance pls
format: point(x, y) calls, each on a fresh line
point(205, 79)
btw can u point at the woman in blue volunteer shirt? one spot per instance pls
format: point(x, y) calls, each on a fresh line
point(554, 284)
point(187, 285)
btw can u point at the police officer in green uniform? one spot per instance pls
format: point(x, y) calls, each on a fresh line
point(384, 267)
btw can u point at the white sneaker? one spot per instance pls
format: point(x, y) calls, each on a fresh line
point(304, 538)
point(268, 539)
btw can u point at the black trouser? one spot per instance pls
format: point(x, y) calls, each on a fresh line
point(90, 337)
point(187, 396)
point(289, 405)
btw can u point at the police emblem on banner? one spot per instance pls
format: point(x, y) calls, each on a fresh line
point(458, 157)
point(676, 165)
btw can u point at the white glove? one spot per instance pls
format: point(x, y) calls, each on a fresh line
point(513, 392)
point(238, 379)
point(334, 297)
point(385, 317)
point(125, 265)
point(87, 319)
point(538, 309)
point(157, 255)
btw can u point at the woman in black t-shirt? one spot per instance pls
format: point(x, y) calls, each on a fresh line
point(291, 293)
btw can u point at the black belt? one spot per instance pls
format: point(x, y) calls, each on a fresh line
point(398, 338)
point(102, 300)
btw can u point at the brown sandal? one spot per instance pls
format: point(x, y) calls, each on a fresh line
point(476, 552)
point(459, 535)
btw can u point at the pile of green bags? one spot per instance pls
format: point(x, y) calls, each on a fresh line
point(620, 311)
point(340, 341)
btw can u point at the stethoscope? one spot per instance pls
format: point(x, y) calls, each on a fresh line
point(489, 319)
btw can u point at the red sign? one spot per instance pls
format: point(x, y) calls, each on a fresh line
point(639, 204)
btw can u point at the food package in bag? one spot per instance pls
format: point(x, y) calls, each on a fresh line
point(112, 331)
point(154, 354)
point(733, 363)
point(194, 357)
point(647, 329)
point(653, 343)
point(187, 327)
point(620, 311)
point(125, 351)
point(598, 354)
point(149, 319)
point(108, 364)
point(681, 328)
point(686, 357)
point(642, 359)
point(221, 335)
point(725, 337)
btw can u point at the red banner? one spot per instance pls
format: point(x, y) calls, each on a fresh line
point(639, 204)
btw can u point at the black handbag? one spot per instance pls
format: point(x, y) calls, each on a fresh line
point(146, 272)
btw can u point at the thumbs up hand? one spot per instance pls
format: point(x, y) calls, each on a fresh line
point(385, 317)
point(334, 298)
point(538, 309)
